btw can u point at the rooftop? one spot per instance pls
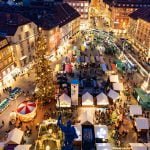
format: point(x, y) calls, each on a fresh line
point(142, 13)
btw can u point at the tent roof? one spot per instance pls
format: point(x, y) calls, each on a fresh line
point(23, 147)
point(101, 131)
point(102, 99)
point(15, 136)
point(103, 146)
point(87, 99)
point(113, 95)
point(86, 116)
point(114, 78)
point(135, 110)
point(78, 129)
point(141, 123)
point(138, 146)
point(65, 100)
point(118, 86)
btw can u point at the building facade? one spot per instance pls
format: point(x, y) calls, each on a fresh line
point(82, 6)
point(117, 12)
point(7, 67)
point(20, 33)
point(139, 32)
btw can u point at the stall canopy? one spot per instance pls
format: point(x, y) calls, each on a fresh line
point(138, 146)
point(114, 78)
point(64, 100)
point(143, 98)
point(87, 99)
point(15, 136)
point(23, 147)
point(135, 110)
point(102, 99)
point(101, 131)
point(79, 132)
point(113, 95)
point(104, 67)
point(118, 86)
point(141, 123)
point(148, 145)
point(86, 116)
point(103, 146)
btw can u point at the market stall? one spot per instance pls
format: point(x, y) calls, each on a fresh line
point(68, 68)
point(78, 129)
point(137, 146)
point(135, 110)
point(23, 147)
point(26, 111)
point(104, 67)
point(103, 146)
point(118, 86)
point(64, 101)
point(87, 99)
point(101, 132)
point(114, 78)
point(113, 95)
point(15, 136)
point(102, 99)
point(142, 123)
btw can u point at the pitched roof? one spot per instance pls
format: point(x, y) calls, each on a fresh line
point(142, 13)
point(9, 23)
point(129, 3)
point(46, 17)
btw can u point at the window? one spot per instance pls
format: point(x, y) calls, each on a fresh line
point(26, 34)
point(22, 53)
point(19, 37)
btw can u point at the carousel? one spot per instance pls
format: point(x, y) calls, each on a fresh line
point(26, 111)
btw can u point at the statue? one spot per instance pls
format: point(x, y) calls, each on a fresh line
point(70, 134)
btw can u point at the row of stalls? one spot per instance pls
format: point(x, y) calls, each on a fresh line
point(14, 140)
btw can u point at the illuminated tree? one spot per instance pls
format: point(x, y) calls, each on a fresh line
point(45, 89)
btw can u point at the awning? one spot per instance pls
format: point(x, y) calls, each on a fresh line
point(101, 131)
point(102, 99)
point(113, 95)
point(118, 86)
point(114, 78)
point(138, 146)
point(104, 67)
point(103, 146)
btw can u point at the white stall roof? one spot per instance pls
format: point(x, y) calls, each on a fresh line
point(114, 78)
point(141, 123)
point(118, 86)
point(101, 131)
point(138, 146)
point(23, 147)
point(78, 129)
point(15, 136)
point(113, 95)
point(65, 101)
point(87, 99)
point(148, 145)
point(102, 99)
point(103, 146)
point(135, 110)
point(86, 116)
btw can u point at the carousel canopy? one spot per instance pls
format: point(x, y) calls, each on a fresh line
point(23, 147)
point(113, 95)
point(15, 136)
point(135, 110)
point(102, 99)
point(118, 86)
point(103, 146)
point(141, 123)
point(87, 99)
point(65, 101)
point(101, 131)
point(114, 78)
point(138, 146)
point(26, 107)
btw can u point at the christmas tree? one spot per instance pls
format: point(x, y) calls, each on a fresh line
point(45, 89)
